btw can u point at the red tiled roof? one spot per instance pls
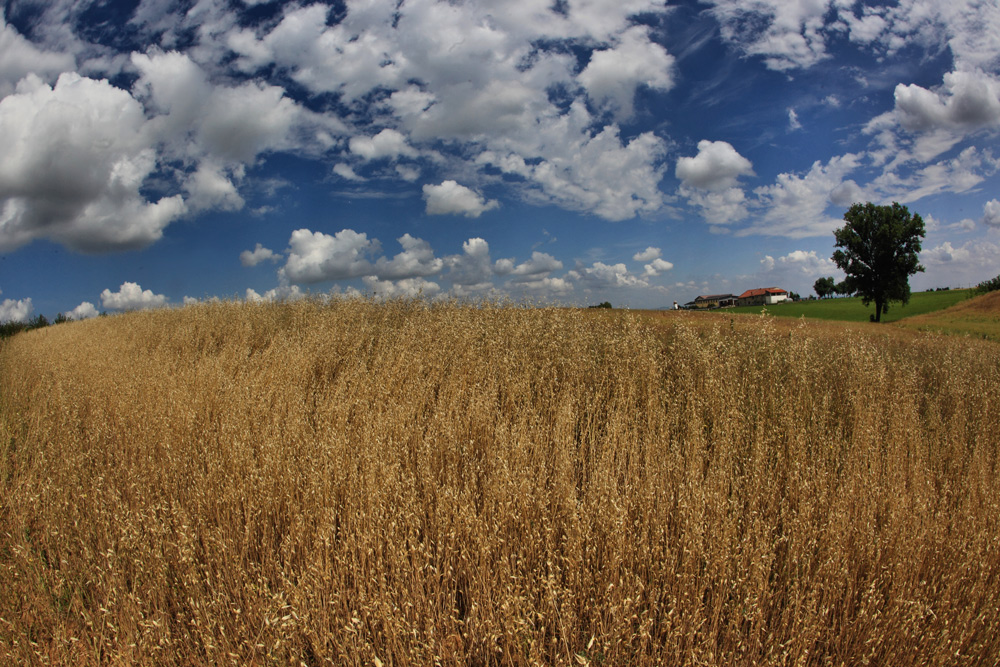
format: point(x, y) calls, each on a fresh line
point(762, 291)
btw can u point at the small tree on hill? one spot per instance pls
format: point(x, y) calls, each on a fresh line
point(824, 287)
point(879, 248)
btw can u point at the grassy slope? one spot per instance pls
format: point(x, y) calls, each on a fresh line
point(978, 317)
point(852, 310)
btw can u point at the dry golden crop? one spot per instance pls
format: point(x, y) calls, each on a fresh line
point(356, 483)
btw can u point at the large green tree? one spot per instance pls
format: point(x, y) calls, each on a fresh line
point(879, 248)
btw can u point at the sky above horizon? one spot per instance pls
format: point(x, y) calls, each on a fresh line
point(159, 152)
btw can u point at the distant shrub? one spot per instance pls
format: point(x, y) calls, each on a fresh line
point(988, 285)
point(8, 329)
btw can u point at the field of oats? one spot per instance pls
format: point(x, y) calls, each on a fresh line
point(355, 483)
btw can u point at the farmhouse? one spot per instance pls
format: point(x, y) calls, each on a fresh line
point(715, 301)
point(762, 296)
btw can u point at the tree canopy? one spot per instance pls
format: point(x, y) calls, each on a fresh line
point(879, 252)
point(824, 287)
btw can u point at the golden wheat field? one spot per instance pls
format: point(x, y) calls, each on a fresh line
point(361, 483)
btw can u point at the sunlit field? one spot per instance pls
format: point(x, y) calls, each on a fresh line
point(356, 483)
point(976, 318)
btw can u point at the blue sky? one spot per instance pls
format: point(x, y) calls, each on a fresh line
point(156, 152)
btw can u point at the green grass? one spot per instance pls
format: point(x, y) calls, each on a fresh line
point(978, 317)
point(852, 310)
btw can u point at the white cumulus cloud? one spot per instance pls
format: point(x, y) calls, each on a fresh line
point(19, 310)
point(416, 260)
point(601, 276)
point(450, 198)
point(131, 296)
point(656, 267)
point(541, 263)
point(795, 205)
point(716, 167)
point(257, 255)
point(19, 57)
point(473, 268)
point(991, 213)
point(314, 256)
point(211, 186)
point(407, 287)
point(965, 101)
point(647, 255)
point(280, 293)
point(75, 157)
point(614, 74)
point(388, 143)
point(84, 311)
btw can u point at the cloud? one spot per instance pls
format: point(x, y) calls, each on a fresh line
point(211, 186)
point(19, 57)
point(788, 35)
point(793, 121)
point(280, 293)
point(540, 264)
point(407, 172)
point(388, 143)
point(959, 266)
point(960, 174)
point(450, 198)
point(257, 255)
point(473, 268)
point(75, 158)
point(314, 256)
point(84, 311)
point(416, 260)
point(866, 28)
point(613, 75)
point(648, 254)
point(966, 101)
point(719, 208)
point(602, 176)
point(847, 193)
point(548, 287)
point(656, 267)
point(16, 311)
point(228, 123)
point(602, 276)
point(805, 262)
point(795, 206)
point(928, 121)
point(130, 296)
point(350, 58)
point(346, 171)
point(796, 271)
point(715, 168)
point(479, 79)
point(991, 213)
point(407, 287)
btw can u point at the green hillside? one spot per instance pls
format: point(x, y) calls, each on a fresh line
point(851, 309)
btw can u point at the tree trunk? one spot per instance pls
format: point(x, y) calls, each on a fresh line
point(878, 311)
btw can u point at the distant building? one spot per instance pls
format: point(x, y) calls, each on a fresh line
point(762, 296)
point(715, 301)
